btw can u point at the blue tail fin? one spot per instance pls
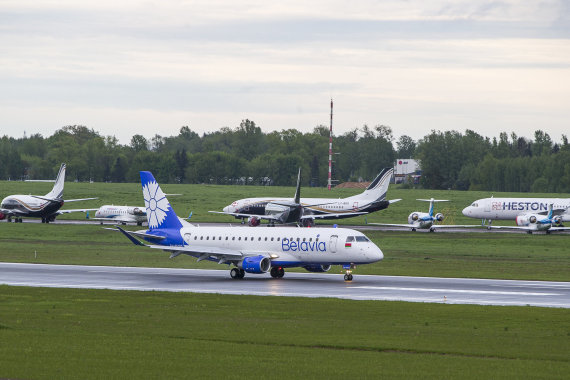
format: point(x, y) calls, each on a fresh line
point(159, 213)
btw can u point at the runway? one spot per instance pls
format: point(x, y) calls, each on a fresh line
point(364, 228)
point(364, 287)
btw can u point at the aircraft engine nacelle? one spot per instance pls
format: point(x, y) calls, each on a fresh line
point(255, 264)
point(252, 221)
point(555, 220)
point(439, 217)
point(317, 268)
point(526, 220)
point(136, 211)
point(2, 216)
point(414, 216)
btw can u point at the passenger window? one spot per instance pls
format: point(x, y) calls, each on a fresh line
point(195, 237)
point(233, 238)
point(304, 239)
point(239, 238)
point(310, 239)
point(277, 238)
point(271, 239)
point(259, 239)
point(226, 238)
point(207, 238)
point(266, 238)
point(201, 237)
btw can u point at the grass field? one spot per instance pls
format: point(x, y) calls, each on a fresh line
point(54, 333)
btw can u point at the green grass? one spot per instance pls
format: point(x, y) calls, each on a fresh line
point(55, 333)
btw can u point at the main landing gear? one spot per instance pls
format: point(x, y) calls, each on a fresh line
point(277, 272)
point(237, 273)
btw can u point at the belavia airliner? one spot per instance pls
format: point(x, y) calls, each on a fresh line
point(250, 250)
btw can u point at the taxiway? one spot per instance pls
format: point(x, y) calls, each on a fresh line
point(364, 287)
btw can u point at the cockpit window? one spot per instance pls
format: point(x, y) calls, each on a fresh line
point(349, 239)
point(362, 239)
point(475, 205)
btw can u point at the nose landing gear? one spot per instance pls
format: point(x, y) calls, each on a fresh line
point(348, 274)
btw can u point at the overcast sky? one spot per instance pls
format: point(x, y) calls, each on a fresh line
point(126, 67)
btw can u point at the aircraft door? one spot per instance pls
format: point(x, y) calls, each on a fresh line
point(355, 206)
point(487, 207)
point(332, 243)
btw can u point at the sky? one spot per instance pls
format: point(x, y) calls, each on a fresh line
point(149, 67)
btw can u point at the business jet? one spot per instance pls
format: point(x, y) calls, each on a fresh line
point(510, 208)
point(423, 221)
point(372, 199)
point(249, 250)
point(121, 214)
point(46, 207)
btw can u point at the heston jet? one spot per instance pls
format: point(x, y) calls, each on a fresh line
point(372, 199)
point(251, 250)
point(46, 207)
point(530, 214)
point(121, 214)
point(423, 221)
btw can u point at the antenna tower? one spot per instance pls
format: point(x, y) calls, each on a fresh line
point(330, 148)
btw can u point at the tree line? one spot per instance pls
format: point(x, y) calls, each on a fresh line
point(246, 155)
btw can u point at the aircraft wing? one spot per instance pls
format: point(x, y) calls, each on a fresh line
point(78, 200)
point(240, 215)
point(59, 212)
point(394, 200)
point(455, 225)
point(559, 228)
point(395, 225)
point(10, 212)
point(202, 251)
point(332, 215)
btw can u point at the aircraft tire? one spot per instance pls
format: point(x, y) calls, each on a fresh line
point(234, 273)
point(274, 272)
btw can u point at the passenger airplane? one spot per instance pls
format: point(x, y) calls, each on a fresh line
point(251, 250)
point(372, 199)
point(530, 214)
point(121, 214)
point(424, 221)
point(509, 208)
point(46, 207)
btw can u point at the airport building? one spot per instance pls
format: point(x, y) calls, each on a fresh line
point(407, 170)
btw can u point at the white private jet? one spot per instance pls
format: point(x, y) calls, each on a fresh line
point(530, 214)
point(251, 250)
point(47, 207)
point(121, 214)
point(372, 199)
point(423, 221)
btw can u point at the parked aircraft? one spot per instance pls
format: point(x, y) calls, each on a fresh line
point(372, 199)
point(424, 221)
point(121, 214)
point(250, 250)
point(510, 208)
point(534, 222)
point(46, 207)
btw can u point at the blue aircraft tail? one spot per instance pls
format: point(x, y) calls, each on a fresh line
point(159, 213)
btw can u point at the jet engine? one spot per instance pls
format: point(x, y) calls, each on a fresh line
point(255, 264)
point(252, 221)
point(525, 220)
point(317, 268)
point(136, 211)
point(555, 220)
point(439, 216)
point(414, 216)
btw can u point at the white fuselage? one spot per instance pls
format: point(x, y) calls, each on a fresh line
point(287, 247)
point(124, 214)
point(323, 205)
point(511, 208)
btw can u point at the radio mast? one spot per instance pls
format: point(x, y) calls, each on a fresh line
point(330, 148)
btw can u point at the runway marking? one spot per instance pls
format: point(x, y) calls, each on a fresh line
point(454, 290)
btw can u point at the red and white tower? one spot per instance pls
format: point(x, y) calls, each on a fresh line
point(330, 149)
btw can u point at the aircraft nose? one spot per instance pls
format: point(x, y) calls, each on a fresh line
point(466, 211)
point(228, 209)
point(378, 255)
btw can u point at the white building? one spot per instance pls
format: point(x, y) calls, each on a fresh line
point(406, 167)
